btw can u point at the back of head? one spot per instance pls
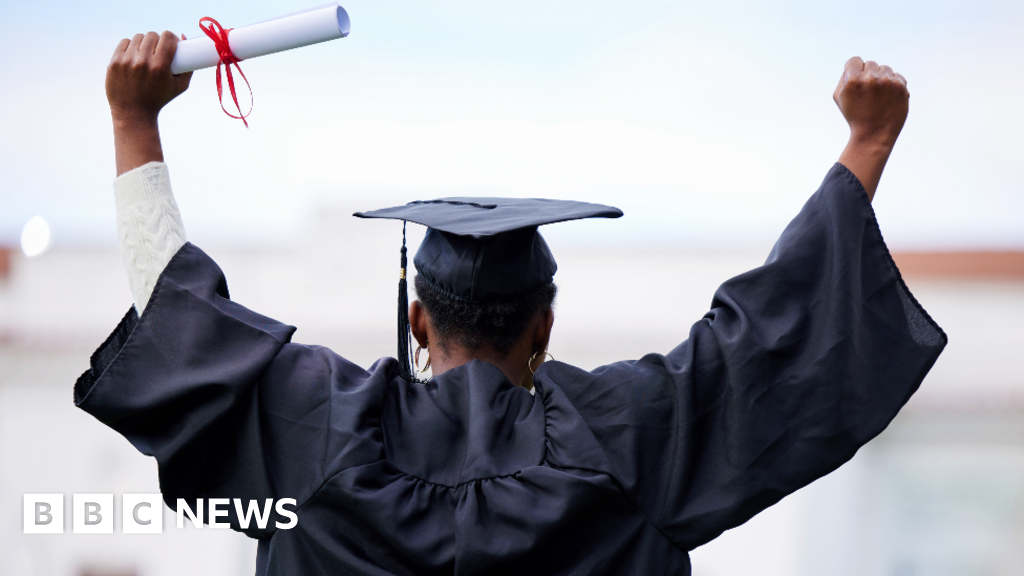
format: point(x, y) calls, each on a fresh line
point(473, 325)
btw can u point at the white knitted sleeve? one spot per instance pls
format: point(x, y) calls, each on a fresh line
point(149, 226)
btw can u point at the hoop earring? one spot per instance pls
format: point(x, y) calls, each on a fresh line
point(529, 363)
point(416, 359)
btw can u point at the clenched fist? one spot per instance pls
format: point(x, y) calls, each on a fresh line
point(874, 100)
point(139, 79)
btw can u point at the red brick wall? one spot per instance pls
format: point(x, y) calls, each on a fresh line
point(1008, 265)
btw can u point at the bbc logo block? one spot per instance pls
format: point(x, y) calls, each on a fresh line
point(142, 514)
point(44, 514)
point(93, 514)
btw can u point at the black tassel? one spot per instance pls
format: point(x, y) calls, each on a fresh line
point(405, 361)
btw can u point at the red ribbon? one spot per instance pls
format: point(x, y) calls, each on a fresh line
point(219, 35)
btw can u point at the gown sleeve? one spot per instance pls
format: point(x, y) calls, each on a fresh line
point(215, 392)
point(798, 364)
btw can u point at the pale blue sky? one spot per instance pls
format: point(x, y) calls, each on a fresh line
point(708, 123)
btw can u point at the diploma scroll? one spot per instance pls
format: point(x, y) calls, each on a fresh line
point(311, 26)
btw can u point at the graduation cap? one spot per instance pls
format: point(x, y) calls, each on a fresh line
point(480, 250)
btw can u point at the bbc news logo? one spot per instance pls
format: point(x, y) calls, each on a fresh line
point(144, 513)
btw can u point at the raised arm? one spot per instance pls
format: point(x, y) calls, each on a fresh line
point(139, 84)
point(874, 100)
point(797, 364)
point(214, 391)
point(149, 227)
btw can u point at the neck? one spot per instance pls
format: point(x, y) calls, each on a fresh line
point(513, 365)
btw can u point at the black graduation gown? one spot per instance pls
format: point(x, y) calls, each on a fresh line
point(620, 470)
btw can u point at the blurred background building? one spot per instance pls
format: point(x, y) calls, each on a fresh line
point(940, 493)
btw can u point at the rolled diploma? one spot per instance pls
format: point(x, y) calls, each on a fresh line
point(312, 26)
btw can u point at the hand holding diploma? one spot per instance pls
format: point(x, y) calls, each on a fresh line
point(221, 45)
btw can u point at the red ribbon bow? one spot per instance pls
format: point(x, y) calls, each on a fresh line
point(219, 35)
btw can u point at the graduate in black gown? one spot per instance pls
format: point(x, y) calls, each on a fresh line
point(618, 470)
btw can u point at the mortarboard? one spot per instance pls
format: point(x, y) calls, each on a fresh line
point(481, 250)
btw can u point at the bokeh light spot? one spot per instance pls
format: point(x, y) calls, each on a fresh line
point(35, 237)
